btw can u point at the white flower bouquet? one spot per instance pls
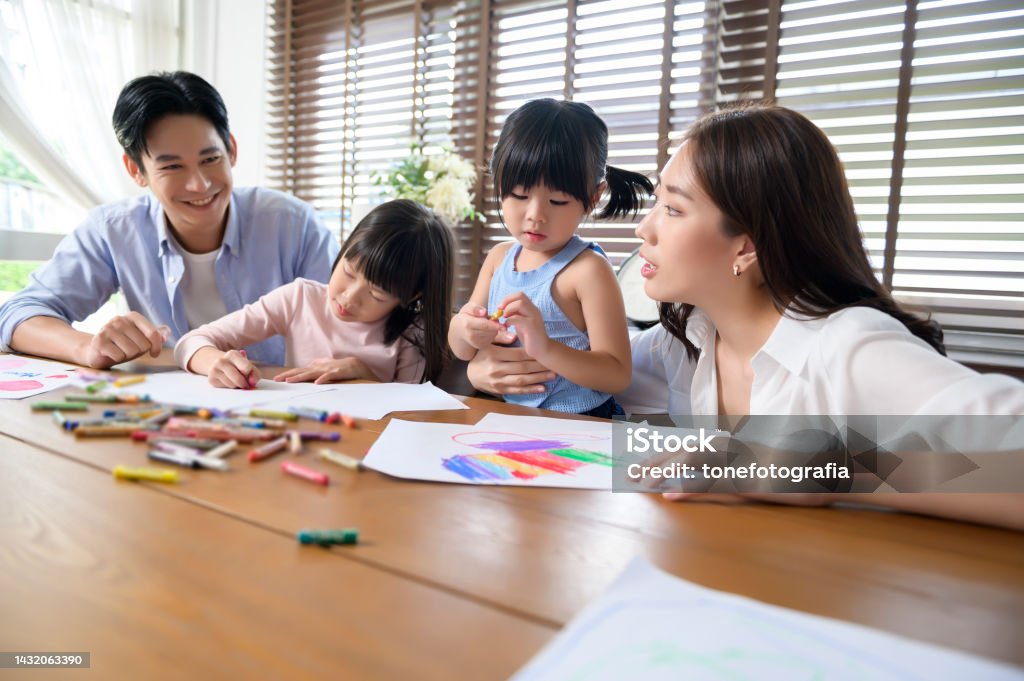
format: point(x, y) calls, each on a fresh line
point(443, 182)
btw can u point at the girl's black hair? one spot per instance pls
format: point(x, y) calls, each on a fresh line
point(407, 250)
point(563, 145)
point(777, 178)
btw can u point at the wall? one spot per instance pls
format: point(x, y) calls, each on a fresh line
point(224, 42)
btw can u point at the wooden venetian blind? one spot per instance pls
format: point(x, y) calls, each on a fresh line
point(924, 101)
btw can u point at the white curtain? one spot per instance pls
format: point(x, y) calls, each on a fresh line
point(62, 65)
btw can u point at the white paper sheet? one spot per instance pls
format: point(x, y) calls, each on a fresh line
point(182, 388)
point(513, 450)
point(373, 400)
point(650, 625)
point(26, 376)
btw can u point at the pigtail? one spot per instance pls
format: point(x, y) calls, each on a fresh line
point(627, 191)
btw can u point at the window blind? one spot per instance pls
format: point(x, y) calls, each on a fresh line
point(922, 99)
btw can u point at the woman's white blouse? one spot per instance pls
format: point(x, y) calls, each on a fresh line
point(858, 361)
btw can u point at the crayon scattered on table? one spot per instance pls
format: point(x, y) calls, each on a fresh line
point(128, 380)
point(222, 449)
point(268, 449)
point(59, 418)
point(349, 535)
point(95, 387)
point(343, 460)
point(294, 442)
point(152, 474)
point(348, 421)
point(270, 414)
point(305, 473)
point(89, 397)
point(63, 406)
point(323, 435)
point(176, 459)
point(309, 413)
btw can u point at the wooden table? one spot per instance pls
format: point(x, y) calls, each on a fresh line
point(447, 581)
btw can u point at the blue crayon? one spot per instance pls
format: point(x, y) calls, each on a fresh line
point(309, 413)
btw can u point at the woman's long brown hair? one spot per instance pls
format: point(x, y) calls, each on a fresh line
point(777, 179)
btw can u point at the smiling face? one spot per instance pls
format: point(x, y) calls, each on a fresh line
point(189, 171)
point(689, 258)
point(354, 299)
point(541, 219)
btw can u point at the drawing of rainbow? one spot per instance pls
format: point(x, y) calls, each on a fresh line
point(523, 459)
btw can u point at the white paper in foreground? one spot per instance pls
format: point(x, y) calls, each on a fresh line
point(26, 376)
point(183, 388)
point(373, 400)
point(507, 452)
point(650, 625)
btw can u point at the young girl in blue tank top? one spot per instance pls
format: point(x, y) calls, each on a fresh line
point(556, 293)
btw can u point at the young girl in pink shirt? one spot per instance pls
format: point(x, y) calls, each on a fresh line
point(383, 315)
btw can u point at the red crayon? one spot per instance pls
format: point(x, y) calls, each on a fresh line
point(268, 449)
point(305, 473)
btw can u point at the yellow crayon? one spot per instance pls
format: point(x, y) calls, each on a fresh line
point(498, 314)
point(270, 414)
point(153, 474)
point(128, 380)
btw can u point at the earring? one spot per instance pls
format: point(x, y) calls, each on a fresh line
point(735, 270)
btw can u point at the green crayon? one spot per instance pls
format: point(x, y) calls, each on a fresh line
point(348, 535)
point(64, 406)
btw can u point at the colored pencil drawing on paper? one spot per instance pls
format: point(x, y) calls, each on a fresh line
point(518, 451)
point(520, 457)
point(24, 377)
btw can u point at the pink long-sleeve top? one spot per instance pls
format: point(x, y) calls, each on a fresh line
point(300, 312)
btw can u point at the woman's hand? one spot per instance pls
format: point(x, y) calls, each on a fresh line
point(328, 370)
point(507, 371)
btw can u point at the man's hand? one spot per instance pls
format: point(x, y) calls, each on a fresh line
point(123, 338)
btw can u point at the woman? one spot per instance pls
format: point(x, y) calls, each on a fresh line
point(771, 306)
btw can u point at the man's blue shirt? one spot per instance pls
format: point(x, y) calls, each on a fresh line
point(271, 238)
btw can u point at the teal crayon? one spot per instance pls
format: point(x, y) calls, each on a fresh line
point(348, 535)
point(63, 406)
point(59, 418)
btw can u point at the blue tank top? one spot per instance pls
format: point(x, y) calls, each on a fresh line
point(561, 395)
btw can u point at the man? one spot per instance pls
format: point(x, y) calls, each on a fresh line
point(191, 250)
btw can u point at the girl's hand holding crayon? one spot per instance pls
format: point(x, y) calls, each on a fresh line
point(328, 370)
point(473, 324)
point(231, 369)
point(523, 314)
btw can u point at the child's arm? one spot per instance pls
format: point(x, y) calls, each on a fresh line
point(205, 350)
point(607, 366)
point(470, 329)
